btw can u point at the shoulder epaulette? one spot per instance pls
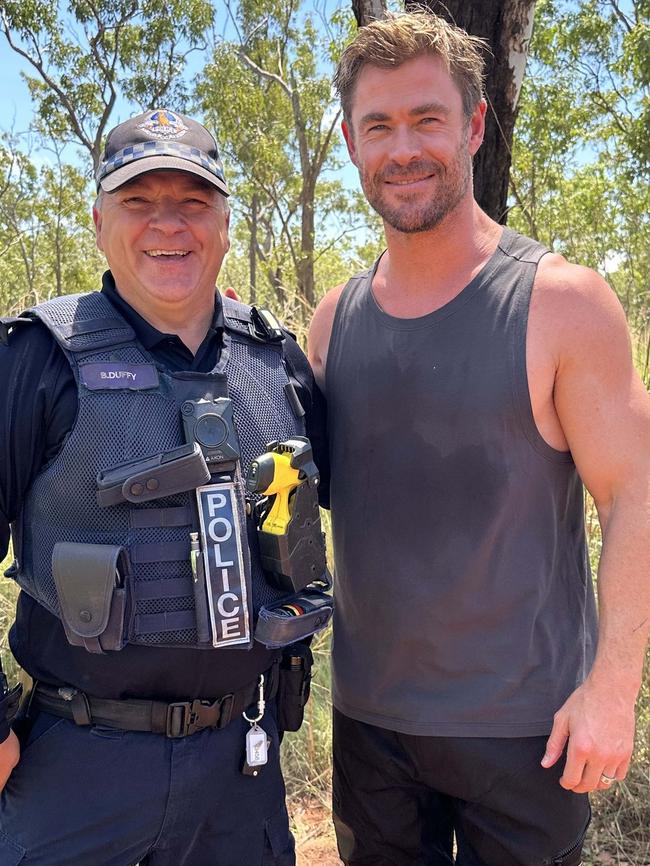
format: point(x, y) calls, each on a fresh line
point(8, 323)
point(84, 322)
point(257, 323)
point(266, 325)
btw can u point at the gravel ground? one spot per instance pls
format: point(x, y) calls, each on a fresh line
point(312, 827)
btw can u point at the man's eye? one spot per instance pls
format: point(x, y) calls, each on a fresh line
point(377, 127)
point(135, 200)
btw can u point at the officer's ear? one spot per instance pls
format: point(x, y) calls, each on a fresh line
point(226, 209)
point(97, 219)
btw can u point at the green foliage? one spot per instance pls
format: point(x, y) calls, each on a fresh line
point(268, 95)
point(47, 240)
point(86, 55)
point(580, 157)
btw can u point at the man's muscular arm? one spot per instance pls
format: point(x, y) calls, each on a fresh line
point(604, 411)
point(319, 334)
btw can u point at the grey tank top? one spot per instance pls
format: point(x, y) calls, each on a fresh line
point(465, 605)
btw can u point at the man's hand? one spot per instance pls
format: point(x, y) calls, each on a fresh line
point(9, 757)
point(598, 722)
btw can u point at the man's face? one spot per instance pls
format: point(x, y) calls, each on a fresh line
point(164, 235)
point(412, 143)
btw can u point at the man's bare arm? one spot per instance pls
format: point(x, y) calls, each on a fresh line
point(604, 411)
point(9, 757)
point(319, 334)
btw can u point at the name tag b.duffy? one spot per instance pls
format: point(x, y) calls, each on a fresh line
point(118, 376)
point(223, 563)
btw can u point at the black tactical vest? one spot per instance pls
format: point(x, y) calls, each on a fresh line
point(129, 409)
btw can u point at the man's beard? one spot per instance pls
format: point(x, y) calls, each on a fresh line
point(411, 217)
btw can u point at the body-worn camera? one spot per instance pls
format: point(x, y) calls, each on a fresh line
point(211, 425)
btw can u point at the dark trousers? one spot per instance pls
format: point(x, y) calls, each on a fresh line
point(400, 800)
point(85, 796)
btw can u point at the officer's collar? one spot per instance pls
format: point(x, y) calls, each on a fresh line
point(147, 335)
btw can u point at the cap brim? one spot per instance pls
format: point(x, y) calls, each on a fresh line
point(125, 173)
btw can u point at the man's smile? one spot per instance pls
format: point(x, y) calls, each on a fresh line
point(408, 181)
point(169, 253)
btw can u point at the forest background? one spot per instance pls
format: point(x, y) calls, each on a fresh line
point(258, 73)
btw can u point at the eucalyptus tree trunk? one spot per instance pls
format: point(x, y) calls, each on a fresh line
point(366, 11)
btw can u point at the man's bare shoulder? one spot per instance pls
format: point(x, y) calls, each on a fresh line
point(576, 309)
point(320, 332)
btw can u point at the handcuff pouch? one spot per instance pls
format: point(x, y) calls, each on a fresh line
point(92, 593)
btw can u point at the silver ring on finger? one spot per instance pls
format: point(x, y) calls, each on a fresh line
point(607, 780)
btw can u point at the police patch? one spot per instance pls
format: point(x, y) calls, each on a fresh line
point(223, 564)
point(163, 124)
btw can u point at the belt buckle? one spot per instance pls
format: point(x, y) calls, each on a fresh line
point(187, 717)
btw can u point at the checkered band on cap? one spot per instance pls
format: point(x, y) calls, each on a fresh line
point(159, 148)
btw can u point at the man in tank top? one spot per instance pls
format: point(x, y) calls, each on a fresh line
point(474, 382)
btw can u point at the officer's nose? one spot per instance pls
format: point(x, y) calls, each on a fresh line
point(166, 217)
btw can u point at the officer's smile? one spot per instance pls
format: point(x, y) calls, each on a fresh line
point(167, 253)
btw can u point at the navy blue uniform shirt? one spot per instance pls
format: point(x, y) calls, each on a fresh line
point(38, 406)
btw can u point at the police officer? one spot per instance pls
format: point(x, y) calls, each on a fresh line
point(130, 420)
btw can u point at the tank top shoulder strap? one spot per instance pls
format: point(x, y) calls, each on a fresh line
point(356, 289)
point(521, 248)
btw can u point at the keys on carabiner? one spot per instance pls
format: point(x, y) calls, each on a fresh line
point(257, 743)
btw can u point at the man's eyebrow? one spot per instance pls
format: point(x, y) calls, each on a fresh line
point(417, 111)
point(430, 108)
point(374, 117)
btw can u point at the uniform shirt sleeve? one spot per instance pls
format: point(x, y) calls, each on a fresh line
point(37, 408)
point(315, 408)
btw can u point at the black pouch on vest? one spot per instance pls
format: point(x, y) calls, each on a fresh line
point(295, 686)
point(293, 618)
point(92, 590)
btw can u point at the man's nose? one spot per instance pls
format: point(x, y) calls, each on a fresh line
point(167, 217)
point(405, 145)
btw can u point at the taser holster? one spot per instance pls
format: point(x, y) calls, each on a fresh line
point(291, 543)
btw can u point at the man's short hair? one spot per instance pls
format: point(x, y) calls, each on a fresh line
point(391, 41)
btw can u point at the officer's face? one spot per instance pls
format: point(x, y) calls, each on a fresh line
point(164, 235)
point(412, 143)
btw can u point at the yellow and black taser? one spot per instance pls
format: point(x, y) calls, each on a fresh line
point(292, 545)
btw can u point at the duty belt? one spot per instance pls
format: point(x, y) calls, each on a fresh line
point(176, 719)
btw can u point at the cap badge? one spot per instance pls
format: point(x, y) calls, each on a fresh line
point(163, 124)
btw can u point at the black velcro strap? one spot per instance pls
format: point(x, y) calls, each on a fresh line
point(163, 587)
point(168, 621)
point(160, 551)
point(145, 518)
point(178, 719)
